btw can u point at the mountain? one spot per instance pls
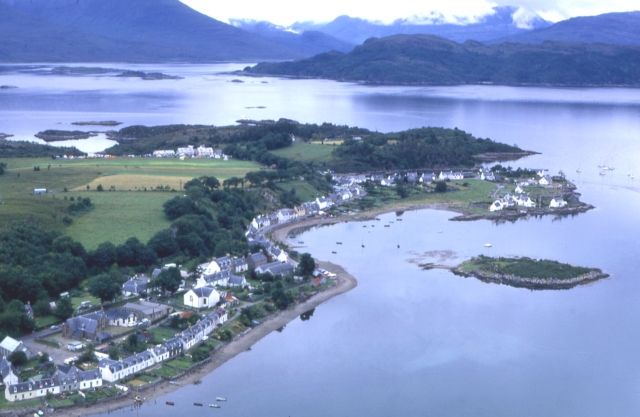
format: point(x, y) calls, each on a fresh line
point(309, 40)
point(429, 60)
point(504, 21)
point(131, 31)
point(610, 28)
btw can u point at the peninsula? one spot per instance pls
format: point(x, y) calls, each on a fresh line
point(430, 60)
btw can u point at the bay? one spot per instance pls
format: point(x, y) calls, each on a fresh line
point(407, 341)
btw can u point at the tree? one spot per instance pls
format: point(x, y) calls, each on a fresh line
point(42, 307)
point(18, 358)
point(3, 167)
point(169, 280)
point(402, 191)
point(307, 265)
point(441, 187)
point(164, 243)
point(105, 287)
point(114, 353)
point(100, 188)
point(103, 257)
point(64, 308)
point(89, 355)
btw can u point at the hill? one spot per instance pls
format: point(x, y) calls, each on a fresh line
point(131, 31)
point(610, 28)
point(309, 40)
point(428, 60)
point(504, 21)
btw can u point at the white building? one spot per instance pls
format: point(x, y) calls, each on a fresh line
point(10, 345)
point(203, 297)
point(497, 205)
point(32, 389)
point(545, 180)
point(450, 175)
point(524, 201)
point(204, 152)
point(188, 151)
point(557, 202)
point(164, 153)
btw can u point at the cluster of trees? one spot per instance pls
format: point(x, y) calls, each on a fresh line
point(18, 149)
point(414, 149)
point(509, 172)
point(38, 264)
point(80, 205)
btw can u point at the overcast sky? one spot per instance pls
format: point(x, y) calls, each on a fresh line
point(285, 12)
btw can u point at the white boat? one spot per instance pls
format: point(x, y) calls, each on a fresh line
point(221, 398)
point(214, 405)
point(488, 245)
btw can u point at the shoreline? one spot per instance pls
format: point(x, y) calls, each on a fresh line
point(344, 283)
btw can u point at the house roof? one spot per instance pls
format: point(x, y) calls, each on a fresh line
point(148, 308)
point(5, 367)
point(276, 268)
point(10, 344)
point(203, 291)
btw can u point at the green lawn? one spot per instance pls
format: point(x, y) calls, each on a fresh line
point(161, 333)
point(309, 152)
point(304, 190)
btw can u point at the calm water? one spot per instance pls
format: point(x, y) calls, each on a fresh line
point(405, 341)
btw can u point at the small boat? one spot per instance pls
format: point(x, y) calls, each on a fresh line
point(221, 398)
point(488, 245)
point(170, 403)
point(398, 220)
point(363, 245)
point(214, 405)
point(578, 171)
point(338, 243)
point(398, 246)
point(334, 252)
point(198, 404)
point(386, 225)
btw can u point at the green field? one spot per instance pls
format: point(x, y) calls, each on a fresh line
point(303, 189)
point(117, 215)
point(307, 152)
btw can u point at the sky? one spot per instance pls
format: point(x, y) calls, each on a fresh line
point(286, 12)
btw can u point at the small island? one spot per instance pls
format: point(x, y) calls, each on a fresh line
point(148, 76)
point(98, 123)
point(534, 274)
point(7, 87)
point(61, 135)
point(4, 136)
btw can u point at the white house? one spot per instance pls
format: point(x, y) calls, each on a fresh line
point(203, 297)
point(519, 189)
point(188, 151)
point(545, 180)
point(164, 153)
point(450, 175)
point(557, 202)
point(210, 268)
point(497, 205)
point(204, 152)
point(112, 371)
point(486, 175)
point(32, 389)
point(285, 215)
point(524, 201)
point(6, 372)
point(324, 203)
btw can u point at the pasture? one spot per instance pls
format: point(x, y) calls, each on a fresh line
point(117, 214)
point(307, 151)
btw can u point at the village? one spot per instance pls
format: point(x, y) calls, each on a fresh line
point(206, 295)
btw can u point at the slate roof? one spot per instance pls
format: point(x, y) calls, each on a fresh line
point(203, 291)
point(136, 284)
point(5, 367)
point(276, 268)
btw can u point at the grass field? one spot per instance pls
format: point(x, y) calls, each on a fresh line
point(117, 215)
point(303, 189)
point(308, 152)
